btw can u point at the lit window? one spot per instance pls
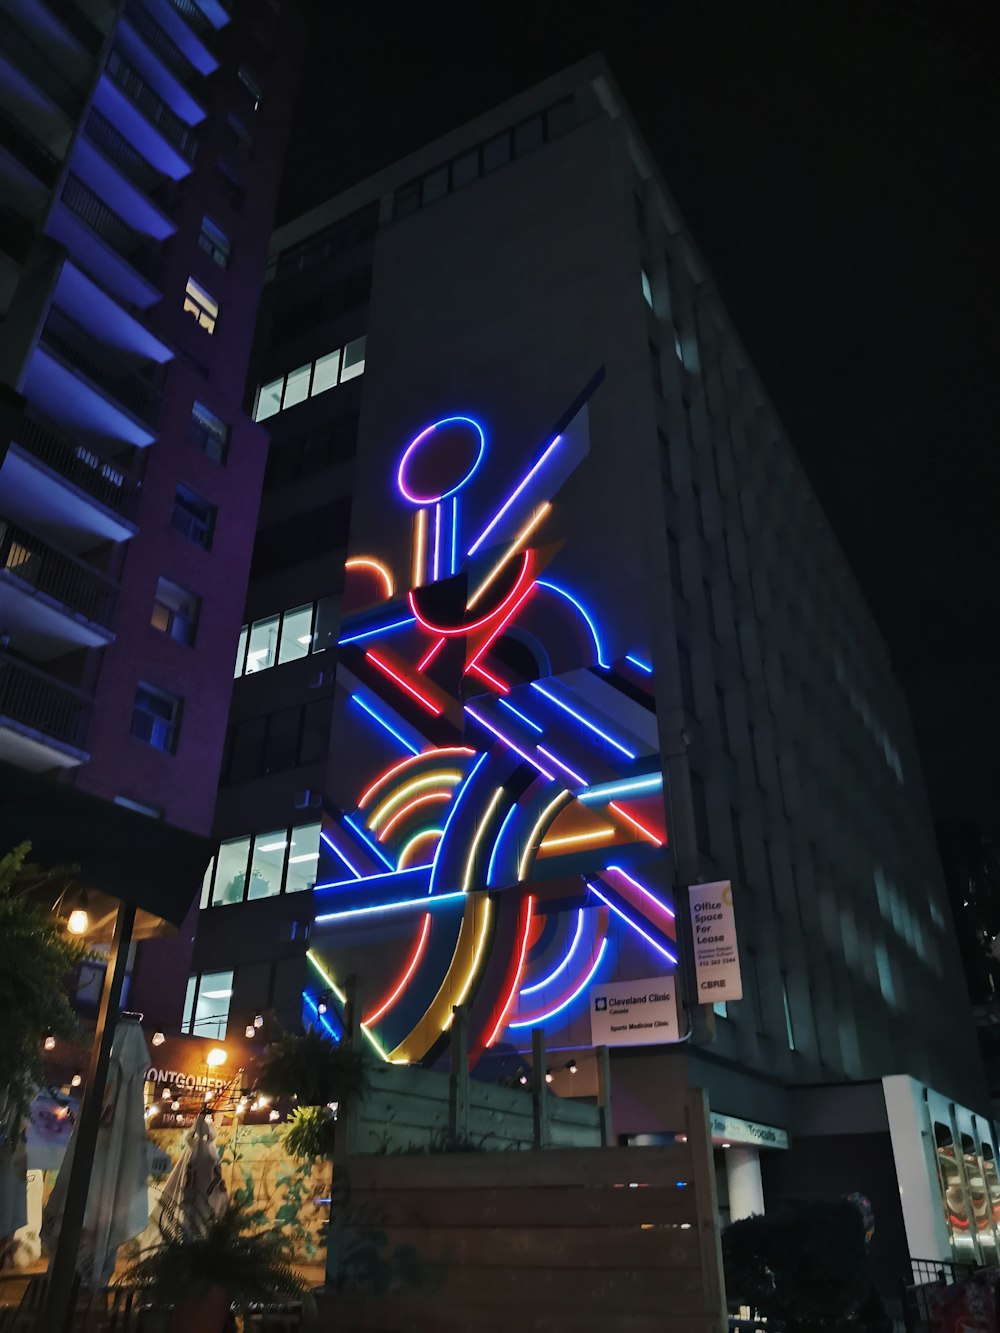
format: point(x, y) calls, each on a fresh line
point(206, 1004)
point(326, 372)
point(155, 717)
point(175, 611)
point(209, 432)
point(214, 241)
point(250, 86)
point(204, 307)
point(303, 858)
point(241, 650)
point(354, 359)
point(789, 1027)
point(268, 863)
point(231, 871)
point(269, 399)
point(193, 517)
point(296, 633)
point(206, 885)
point(721, 1008)
point(296, 386)
point(263, 646)
point(647, 290)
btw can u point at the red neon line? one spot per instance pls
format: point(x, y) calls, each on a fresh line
point(530, 902)
point(503, 623)
point(429, 704)
point(488, 676)
point(646, 833)
point(405, 763)
point(468, 629)
point(411, 805)
point(435, 649)
point(411, 967)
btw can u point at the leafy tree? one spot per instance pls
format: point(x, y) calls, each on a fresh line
point(313, 1069)
point(804, 1264)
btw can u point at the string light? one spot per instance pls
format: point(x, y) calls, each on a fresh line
point(76, 1080)
point(78, 921)
point(50, 1042)
point(258, 1020)
point(158, 1038)
point(249, 1030)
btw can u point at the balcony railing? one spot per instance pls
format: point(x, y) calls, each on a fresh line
point(43, 703)
point(33, 62)
point(172, 56)
point(65, 337)
point(60, 576)
point(194, 16)
point(104, 220)
point(117, 147)
point(152, 105)
point(80, 465)
point(28, 151)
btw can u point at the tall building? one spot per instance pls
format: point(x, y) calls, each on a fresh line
point(545, 625)
point(141, 145)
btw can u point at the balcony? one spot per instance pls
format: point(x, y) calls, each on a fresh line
point(194, 16)
point(116, 147)
point(118, 257)
point(27, 150)
point(33, 62)
point(157, 40)
point(126, 99)
point(50, 482)
point(82, 383)
point(51, 602)
point(43, 723)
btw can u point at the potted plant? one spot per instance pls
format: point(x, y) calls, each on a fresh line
point(313, 1070)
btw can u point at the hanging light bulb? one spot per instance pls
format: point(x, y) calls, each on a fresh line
point(166, 1094)
point(322, 1006)
point(250, 1030)
point(522, 1078)
point(216, 1057)
point(76, 1080)
point(158, 1038)
point(258, 1020)
point(50, 1042)
point(274, 1115)
point(175, 1105)
point(571, 1066)
point(78, 921)
point(548, 1076)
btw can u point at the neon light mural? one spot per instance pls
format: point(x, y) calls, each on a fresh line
point(501, 840)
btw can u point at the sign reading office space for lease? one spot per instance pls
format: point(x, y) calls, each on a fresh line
point(634, 1013)
point(713, 930)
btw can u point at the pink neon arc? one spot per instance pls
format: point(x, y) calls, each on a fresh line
point(429, 704)
point(529, 907)
point(398, 767)
point(413, 496)
point(411, 967)
point(497, 630)
point(646, 833)
point(478, 624)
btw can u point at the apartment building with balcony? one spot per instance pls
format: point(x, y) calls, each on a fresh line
point(141, 145)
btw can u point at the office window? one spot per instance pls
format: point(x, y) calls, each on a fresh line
point(326, 372)
point(560, 118)
point(262, 648)
point(336, 367)
point(721, 1008)
point(496, 152)
point(303, 858)
point(528, 136)
point(465, 169)
point(175, 611)
point(241, 651)
point(206, 1004)
point(296, 633)
point(407, 200)
point(741, 865)
point(269, 400)
point(250, 86)
point(647, 290)
point(297, 386)
point(267, 864)
point(786, 1003)
point(193, 517)
point(435, 185)
point(203, 307)
point(231, 871)
point(281, 744)
point(209, 432)
point(155, 717)
point(354, 359)
point(214, 241)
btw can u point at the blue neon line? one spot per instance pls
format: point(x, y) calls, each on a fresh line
point(382, 723)
point(454, 535)
point(322, 1017)
point(424, 903)
point(499, 838)
point(555, 587)
point(334, 848)
point(455, 806)
point(565, 767)
point(382, 629)
point(540, 985)
point(367, 840)
point(367, 879)
point(517, 713)
point(642, 889)
point(629, 922)
point(511, 498)
point(509, 743)
point(643, 666)
point(608, 789)
point(543, 1018)
point(580, 718)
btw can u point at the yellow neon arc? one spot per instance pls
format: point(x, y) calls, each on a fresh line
point(408, 762)
point(443, 777)
point(425, 799)
point(543, 820)
point(485, 909)
point(404, 855)
point(595, 835)
point(369, 562)
point(510, 552)
point(474, 847)
point(373, 1041)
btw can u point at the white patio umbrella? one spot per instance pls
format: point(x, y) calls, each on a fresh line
point(193, 1192)
point(117, 1205)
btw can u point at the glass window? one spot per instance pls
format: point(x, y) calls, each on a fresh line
point(789, 1025)
point(268, 862)
point(246, 750)
point(206, 885)
point(212, 996)
point(647, 290)
point(326, 372)
point(527, 136)
point(263, 644)
point(327, 623)
point(203, 307)
point(209, 432)
point(464, 169)
point(155, 717)
point(316, 731)
point(560, 118)
point(250, 86)
point(214, 241)
point(296, 633)
point(231, 871)
point(241, 650)
point(303, 858)
point(721, 1008)
point(193, 517)
point(435, 185)
point(296, 386)
point(281, 745)
point(407, 200)
point(354, 359)
point(268, 400)
point(189, 995)
point(496, 152)
point(175, 611)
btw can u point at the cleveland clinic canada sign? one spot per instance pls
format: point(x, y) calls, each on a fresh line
point(634, 1013)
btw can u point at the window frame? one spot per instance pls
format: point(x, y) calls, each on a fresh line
point(177, 704)
point(200, 303)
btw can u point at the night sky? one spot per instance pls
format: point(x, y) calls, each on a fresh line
point(837, 164)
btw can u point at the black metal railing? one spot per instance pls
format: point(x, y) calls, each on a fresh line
point(152, 105)
point(60, 576)
point(172, 56)
point(194, 16)
point(39, 701)
point(117, 147)
point(33, 62)
point(68, 340)
point(102, 219)
point(80, 465)
point(28, 151)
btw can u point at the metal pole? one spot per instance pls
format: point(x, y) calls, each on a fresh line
point(62, 1271)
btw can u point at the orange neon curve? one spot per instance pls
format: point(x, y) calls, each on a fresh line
point(411, 967)
point(404, 810)
point(369, 562)
point(468, 629)
point(405, 763)
point(530, 903)
point(404, 856)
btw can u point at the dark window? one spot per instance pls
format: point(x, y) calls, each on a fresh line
point(560, 118)
point(175, 611)
point(654, 367)
point(155, 717)
point(666, 470)
point(209, 432)
point(316, 731)
point(281, 745)
point(214, 241)
point(528, 136)
point(250, 86)
point(316, 532)
point(246, 749)
point(709, 609)
point(234, 188)
point(640, 212)
point(465, 169)
point(700, 807)
point(193, 517)
point(496, 152)
point(327, 623)
point(674, 556)
point(687, 680)
point(435, 185)
point(407, 200)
